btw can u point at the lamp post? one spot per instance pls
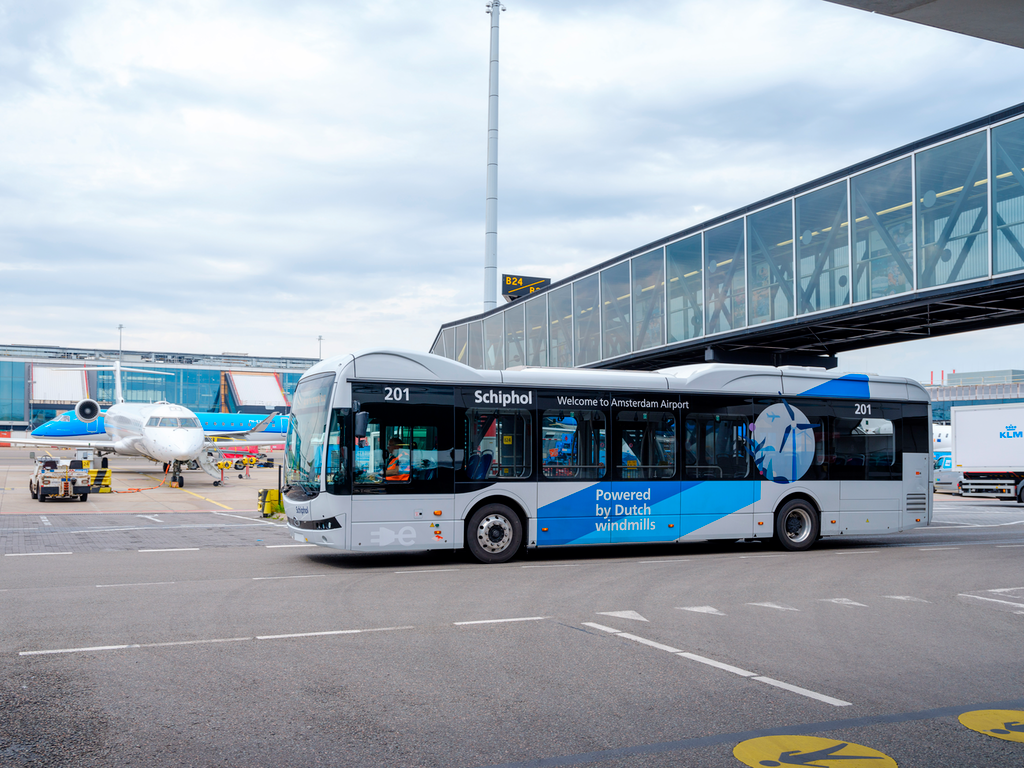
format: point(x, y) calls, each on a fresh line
point(119, 329)
point(320, 339)
point(494, 8)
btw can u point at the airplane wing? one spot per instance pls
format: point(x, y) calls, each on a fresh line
point(100, 443)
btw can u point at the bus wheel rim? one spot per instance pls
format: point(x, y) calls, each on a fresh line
point(798, 525)
point(494, 533)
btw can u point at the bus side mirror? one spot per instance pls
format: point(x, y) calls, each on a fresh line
point(362, 421)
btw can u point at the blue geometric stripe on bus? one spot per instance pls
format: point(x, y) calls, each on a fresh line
point(688, 506)
point(852, 385)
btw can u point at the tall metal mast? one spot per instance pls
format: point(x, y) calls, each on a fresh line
point(491, 235)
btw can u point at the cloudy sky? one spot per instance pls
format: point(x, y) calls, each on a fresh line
point(246, 176)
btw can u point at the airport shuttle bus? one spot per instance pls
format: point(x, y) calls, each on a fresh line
point(400, 451)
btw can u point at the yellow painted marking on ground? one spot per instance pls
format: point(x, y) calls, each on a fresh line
point(225, 506)
point(772, 751)
point(1005, 724)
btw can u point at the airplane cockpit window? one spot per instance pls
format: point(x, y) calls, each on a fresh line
point(167, 421)
point(153, 422)
point(190, 423)
point(64, 418)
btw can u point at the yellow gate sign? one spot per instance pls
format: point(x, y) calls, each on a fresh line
point(782, 751)
point(1005, 724)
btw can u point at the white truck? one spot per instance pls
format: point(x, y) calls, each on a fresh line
point(988, 447)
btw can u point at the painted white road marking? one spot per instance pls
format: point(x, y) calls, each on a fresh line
point(702, 609)
point(623, 615)
point(651, 643)
point(723, 666)
point(154, 518)
point(859, 552)
point(28, 554)
point(331, 632)
point(556, 565)
point(843, 601)
point(133, 645)
point(306, 576)
point(178, 549)
point(993, 600)
point(776, 606)
point(135, 584)
point(1007, 546)
point(498, 621)
point(44, 521)
point(718, 664)
point(804, 692)
point(907, 598)
point(601, 627)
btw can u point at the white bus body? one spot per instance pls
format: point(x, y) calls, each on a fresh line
point(451, 456)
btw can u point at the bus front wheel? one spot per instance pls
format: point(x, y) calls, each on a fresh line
point(797, 525)
point(494, 533)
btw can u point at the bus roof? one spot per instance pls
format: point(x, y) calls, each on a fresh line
point(396, 365)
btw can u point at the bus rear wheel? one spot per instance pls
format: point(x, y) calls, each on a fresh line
point(494, 534)
point(797, 525)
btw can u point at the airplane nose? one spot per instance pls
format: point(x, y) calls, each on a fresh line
point(178, 444)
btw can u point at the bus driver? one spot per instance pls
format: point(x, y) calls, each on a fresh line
point(397, 463)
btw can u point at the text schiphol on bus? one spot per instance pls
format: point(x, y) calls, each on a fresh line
point(399, 451)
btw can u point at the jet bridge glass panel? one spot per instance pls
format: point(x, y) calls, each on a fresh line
point(615, 310)
point(462, 344)
point(685, 267)
point(1008, 194)
point(449, 343)
point(476, 345)
point(883, 232)
point(537, 331)
point(823, 249)
point(560, 320)
point(952, 212)
point(725, 278)
point(648, 299)
point(770, 264)
point(494, 342)
point(586, 319)
point(515, 336)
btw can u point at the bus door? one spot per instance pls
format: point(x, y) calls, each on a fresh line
point(718, 486)
point(574, 473)
point(643, 504)
point(403, 490)
point(868, 466)
point(496, 450)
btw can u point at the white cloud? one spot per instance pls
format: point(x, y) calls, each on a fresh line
point(226, 175)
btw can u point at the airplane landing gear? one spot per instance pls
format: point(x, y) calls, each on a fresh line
point(176, 476)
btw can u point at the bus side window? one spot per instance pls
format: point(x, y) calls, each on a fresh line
point(337, 453)
point(647, 445)
point(716, 447)
point(573, 444)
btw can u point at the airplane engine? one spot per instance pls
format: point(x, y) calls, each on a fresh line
point(87, 410)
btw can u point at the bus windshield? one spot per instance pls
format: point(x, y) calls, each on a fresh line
point(306, 430)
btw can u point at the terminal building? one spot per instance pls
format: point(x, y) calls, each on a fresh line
point(39, 382)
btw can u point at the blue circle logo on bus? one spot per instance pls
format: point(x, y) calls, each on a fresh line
point(783, 443)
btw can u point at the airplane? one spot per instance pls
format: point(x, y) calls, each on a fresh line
point(68, 424)
point(168, 434)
